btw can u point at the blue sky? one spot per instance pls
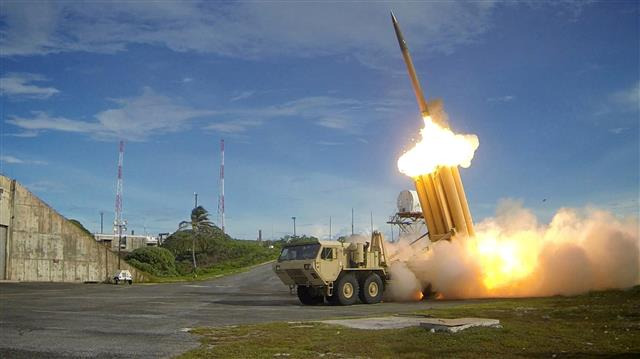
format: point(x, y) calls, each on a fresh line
point(315, 106)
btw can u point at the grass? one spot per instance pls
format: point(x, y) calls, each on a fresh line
point(598, 324)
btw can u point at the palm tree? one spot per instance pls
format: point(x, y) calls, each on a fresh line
point(198, 224)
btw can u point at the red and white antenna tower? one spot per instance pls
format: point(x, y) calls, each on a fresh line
point(118, 223)
point(221, 195)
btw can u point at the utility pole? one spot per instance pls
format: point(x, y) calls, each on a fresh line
point(330, 228)
point(294, 226)
point(221, 189)
point(101, 222)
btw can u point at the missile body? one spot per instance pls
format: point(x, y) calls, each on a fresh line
point(424, 109)
point(441, 193)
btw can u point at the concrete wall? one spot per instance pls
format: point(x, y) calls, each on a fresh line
point(44, 246)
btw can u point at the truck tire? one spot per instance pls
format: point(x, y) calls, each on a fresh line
point(371, 289)
point(346, 292)
point(307, 297)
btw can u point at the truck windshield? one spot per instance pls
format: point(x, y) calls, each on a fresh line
point(306, 251)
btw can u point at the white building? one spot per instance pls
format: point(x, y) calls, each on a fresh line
point(128, 243)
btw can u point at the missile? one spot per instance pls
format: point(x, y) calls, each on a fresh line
point(412, 71)
point(441, 194)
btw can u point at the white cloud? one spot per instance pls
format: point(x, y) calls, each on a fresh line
point(341, 114)
point(334, 194)
point(627, 99)
point(12, 160)
point(622, 101)
point(42, 121)
point(247, 30)
point(134, 119)
point(21, 86)
point(617, 130)
point(329, 143)
point(334, 122)
point(149, 114)
point(46, 186)
point(242, 95)
point(506, 98)
point(24, 134)
point(233, 126)
point(186, 80)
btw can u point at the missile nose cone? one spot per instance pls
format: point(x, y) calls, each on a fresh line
point(396, 28)
point(412, 71)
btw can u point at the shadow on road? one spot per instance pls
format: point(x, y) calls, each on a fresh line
point(256, 303)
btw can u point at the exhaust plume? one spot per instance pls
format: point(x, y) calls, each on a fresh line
point(512, 255)
point(439, 146)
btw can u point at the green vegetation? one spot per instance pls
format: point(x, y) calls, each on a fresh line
point(595, 324)
point(214, 250)
point(77, 223)
point(200, 225)
point(199, 249)
point(156, 261)
point(304, 239)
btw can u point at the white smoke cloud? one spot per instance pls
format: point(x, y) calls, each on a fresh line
point(513, 255)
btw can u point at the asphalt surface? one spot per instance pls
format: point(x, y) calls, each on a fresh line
point(52, 320)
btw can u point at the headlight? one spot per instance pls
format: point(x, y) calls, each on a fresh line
point(278, 267)
point(307, 266)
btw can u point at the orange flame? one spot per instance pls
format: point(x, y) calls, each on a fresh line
point(439, 146)
point(505, 260)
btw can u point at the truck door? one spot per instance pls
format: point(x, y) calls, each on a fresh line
point(329, 265)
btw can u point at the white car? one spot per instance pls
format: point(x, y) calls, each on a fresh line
point(123, 276)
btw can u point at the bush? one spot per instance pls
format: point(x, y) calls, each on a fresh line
point(77, 223)
point(154, 260)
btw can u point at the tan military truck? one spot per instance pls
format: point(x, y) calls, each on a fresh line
point(340, 272)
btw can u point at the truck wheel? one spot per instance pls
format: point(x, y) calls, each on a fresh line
point(371, 289)
point(307, 297)
point(346, 292)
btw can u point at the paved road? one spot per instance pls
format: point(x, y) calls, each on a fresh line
point(45, 320)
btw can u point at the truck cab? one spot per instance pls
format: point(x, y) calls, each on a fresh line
point(339, 272)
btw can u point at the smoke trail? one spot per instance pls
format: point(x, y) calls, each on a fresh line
point(513, 255)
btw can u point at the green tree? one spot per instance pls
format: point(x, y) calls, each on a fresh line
point(155, 260)
point(199, 224)
point(298, 239)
